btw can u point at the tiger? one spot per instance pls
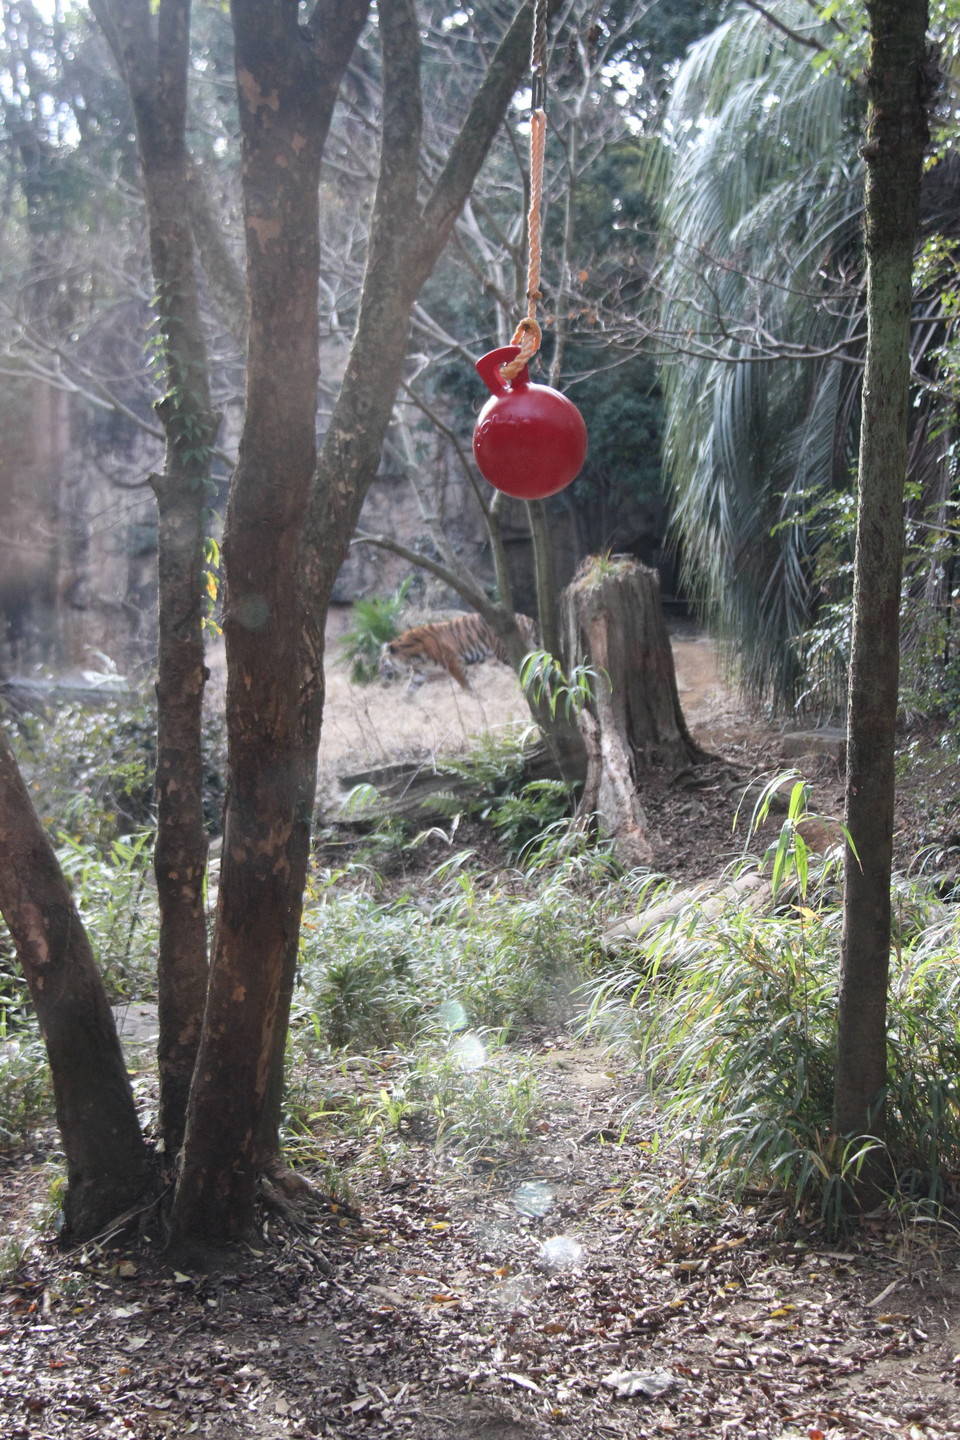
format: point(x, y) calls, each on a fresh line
point(449, 644)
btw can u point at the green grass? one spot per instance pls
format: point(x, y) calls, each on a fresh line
point(730, 1027)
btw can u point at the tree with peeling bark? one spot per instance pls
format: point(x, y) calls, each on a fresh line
point(279, 574)
point(288, 77)
point(290, 516)
point(897, 134)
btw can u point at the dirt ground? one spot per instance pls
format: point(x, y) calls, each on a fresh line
point(369, 725)
point(579, 1287)
point(504, 1297)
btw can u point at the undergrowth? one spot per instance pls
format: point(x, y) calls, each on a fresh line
point(730, 1022)
point(421, 997)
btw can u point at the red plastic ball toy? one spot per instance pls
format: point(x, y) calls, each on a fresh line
point(529, 440)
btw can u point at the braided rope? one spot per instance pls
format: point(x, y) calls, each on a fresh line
point(528, 333)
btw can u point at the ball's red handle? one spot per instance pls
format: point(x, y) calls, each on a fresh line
point(489, 365)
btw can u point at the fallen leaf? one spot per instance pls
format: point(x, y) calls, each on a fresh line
point(522, 1380)
point(649, 1383)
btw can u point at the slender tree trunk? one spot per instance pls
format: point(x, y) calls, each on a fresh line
point(897, 135)
point(153, 57)
point(274, 638)
point(406, 239)
point(108, 1166)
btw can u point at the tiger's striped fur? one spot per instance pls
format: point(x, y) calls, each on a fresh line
point(449, 644)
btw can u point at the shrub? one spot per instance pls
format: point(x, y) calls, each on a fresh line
point(115, 894)
point(25, 1093)
point(90, 772)
point(376, 620)
point(732, 1027)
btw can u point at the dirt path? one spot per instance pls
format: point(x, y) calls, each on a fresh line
point(501, 1297)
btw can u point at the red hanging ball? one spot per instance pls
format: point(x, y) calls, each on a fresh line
point(529, 440)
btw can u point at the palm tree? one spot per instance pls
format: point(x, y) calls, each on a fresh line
point(760, 185)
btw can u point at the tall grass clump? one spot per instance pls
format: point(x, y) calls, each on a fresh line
point(114, 890)
point(730, 1023)
point(423, 995)
point(731, 1026)
point(375, 974)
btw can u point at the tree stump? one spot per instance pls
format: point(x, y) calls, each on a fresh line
point(613, 622)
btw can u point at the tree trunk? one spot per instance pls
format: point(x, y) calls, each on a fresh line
point(153, 58)
point(277, 589)
point(406, 239)
point(897, 136)
point(613, 622)
point(274, 643)
point(108, 1166)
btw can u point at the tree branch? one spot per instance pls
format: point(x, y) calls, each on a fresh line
point(482, 121)
point(453, 578)
point(402, 124)
point(778, 24)
point(451, 437)
point(224, 275)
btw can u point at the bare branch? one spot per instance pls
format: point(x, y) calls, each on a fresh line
point(477, 131)
point(454, 578)
point(778, 24)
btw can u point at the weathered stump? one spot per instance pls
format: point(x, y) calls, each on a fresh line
point(613, 622)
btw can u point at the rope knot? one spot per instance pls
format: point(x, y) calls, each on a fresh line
point(528, 336)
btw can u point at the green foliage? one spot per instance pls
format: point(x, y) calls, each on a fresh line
point(761, 211)
point(530, 815)
point(930, 652)
point(468, 1095)
point(494, 765)
point(731, 1023)
point(114, 893)
point(26, 1099)
point(90, 771)
point(375, 975)
point(376, 619)
point(520, 813)
point(425, 993)
point(545, 681)
point(789, 856)
point(761, 187)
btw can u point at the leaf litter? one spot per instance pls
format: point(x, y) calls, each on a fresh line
point(547, 1291)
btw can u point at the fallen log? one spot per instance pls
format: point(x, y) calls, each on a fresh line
point(749, 891)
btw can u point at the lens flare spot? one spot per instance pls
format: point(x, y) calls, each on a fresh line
point(516, 1293)
point(561, 1252)
point(533, 1197)
point(452, 1015)
point(469, 1052)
